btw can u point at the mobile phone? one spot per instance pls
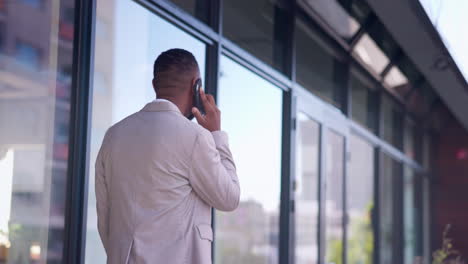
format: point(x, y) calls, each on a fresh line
point(197, 102)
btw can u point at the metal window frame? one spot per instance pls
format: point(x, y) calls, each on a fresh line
point(77, 180)
point(217, 45)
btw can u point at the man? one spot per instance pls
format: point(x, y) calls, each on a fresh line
point(158, 174)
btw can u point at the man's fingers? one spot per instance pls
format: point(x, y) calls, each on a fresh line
point(198, 115)
point(211, 99)
point(206, 102)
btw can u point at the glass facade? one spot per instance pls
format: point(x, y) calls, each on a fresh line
point(307, 191)
point(334, 182)
point(250, 234)
point(364, 104)
point(360, 202)
point(35, 85)
point(316, 68)
point(390, 210)
point(262, 23)
point(392, 122)
point(356, 165)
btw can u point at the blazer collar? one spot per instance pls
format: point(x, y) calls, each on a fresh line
point(161, 106)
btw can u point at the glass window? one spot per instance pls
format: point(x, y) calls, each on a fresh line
point(392, 122)
point(427, 151)
point(34, 3)
point(334, 15)
point(259, 27)
point(363, 103)
point(307, 205)
point(360, 202)
point(34, 137)
point(122, 80)
point(316, 69)
point(198, 8)
point(250, 233)
point(412, 215)
point(390, 175)
point(27, 54)
point(410, 140)
point(334, 197)
point(368, 53)
point(2, 34)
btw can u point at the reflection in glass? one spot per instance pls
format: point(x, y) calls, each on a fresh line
point(334, 14)
point(252, 116)
point(334, 150)
point(364, 103)
point(35, 88)
point(258, 27)
point(307, 205)
point(360, 202)
point(122, 79)
point(316, 69)
point(367, 51)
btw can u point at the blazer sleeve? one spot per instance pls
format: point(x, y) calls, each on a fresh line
point(102, 195)
point(213, 172)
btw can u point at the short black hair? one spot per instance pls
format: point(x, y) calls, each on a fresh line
point(178, 61)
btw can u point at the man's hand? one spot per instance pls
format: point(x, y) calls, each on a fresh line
point(212, 119)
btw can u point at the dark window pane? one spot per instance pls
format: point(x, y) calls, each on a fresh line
point(250, 234)
point(333, 14)
point(334, 198)
point(364, 103)
point(360, 202)
point(197, 8)
point(316, 69)
point(392, 122)
point(410, 139)
point(383, 39)
point(307, 203)
point(34, 125)
point(2, 35)
point(258, 27)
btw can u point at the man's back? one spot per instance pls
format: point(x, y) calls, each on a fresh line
point(157, 176)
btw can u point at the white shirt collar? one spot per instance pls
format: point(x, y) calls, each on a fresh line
point(161, 100)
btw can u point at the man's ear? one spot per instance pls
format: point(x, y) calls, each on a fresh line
point(154, 83)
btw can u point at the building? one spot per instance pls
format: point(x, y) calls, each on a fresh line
point(347, 120)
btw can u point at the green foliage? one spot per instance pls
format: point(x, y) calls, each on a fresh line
point(360, 242)
point(446, 252)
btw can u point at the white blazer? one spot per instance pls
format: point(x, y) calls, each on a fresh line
point(158, 175)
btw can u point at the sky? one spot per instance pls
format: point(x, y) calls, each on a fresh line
point(449, 18)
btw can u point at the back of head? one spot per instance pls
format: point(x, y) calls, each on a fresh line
point(174, 71)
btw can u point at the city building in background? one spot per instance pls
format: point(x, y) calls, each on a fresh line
point(347, 121)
